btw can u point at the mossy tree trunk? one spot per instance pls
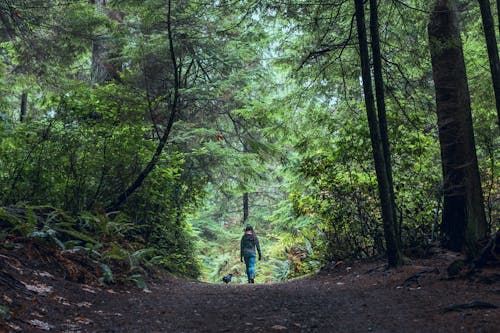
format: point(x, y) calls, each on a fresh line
point(464, 220)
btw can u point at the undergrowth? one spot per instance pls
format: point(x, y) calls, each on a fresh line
point(115, 248)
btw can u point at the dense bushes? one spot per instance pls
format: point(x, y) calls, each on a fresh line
point(86, 149)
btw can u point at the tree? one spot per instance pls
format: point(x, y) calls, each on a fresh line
point(491, 44)
point(173, 109)
point(379, 156)
point(463, 221)
point(104, 49)
point(381, 109)
point(24, 106)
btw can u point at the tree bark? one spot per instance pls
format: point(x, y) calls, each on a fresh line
point(24, 104)
point(163, 140)
point(381, 110)
point(491, 44)
point(103, 68)
point(463, 221)
point(245, 195)
point(498, 14)
point(245, 207)
point(389, 219)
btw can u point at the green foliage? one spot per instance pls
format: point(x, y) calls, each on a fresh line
point(4, 312)
point(107, 276)
point(117, 247)
point(270, 105)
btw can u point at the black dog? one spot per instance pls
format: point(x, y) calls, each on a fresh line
point(227, 278)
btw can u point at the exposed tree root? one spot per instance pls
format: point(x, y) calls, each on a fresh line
point(471, 305)
point(414, 280)
point(490, 253)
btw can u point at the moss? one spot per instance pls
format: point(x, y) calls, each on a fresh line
point(439, 46)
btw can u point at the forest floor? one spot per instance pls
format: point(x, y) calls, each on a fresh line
point(357, 297)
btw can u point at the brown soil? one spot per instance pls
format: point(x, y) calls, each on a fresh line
point(362, 297)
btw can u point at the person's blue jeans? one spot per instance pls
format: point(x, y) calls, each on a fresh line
point(250, 263)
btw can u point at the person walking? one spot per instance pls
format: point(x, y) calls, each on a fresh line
point(249, 243)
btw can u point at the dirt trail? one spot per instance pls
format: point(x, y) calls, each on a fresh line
point(320, 304)
point(359, 298)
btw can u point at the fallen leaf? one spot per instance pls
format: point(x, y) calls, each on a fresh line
point(39, 288)
point(36, 314)
point(83, 320)
point(59, 299)
point(14, 326)
point(279, 327)
point(84, 304)
point(44, 274)
point(40, 324)
point(88, 289)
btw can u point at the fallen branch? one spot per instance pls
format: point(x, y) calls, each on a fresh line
point(8, 280)
point(471, 305)
point(414, 279)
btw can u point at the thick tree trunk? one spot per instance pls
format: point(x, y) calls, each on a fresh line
point(389, 219)
point(491, 44)
point(24, 106)
point(381, 110)
point(464, 221)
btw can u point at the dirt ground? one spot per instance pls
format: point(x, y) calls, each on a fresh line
point(346, 297)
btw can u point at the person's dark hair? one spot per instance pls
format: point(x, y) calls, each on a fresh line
point(249, 228)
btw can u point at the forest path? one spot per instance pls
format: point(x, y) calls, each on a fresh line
point(361, 298)
point(364, 297)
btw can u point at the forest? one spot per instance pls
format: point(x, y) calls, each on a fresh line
point(138, 136)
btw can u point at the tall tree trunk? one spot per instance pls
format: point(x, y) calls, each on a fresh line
point(389, 219)
point(245, 195)
point(98, 72)
point(381, 110)
point(245, 207)
point(163, 140)
point(24, 106)
point(464, 220)
point(103, 67)
point(491, 44)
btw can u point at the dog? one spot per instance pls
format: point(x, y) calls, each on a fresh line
point(227, 278)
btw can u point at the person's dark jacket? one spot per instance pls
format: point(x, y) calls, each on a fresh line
point(249, 242)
